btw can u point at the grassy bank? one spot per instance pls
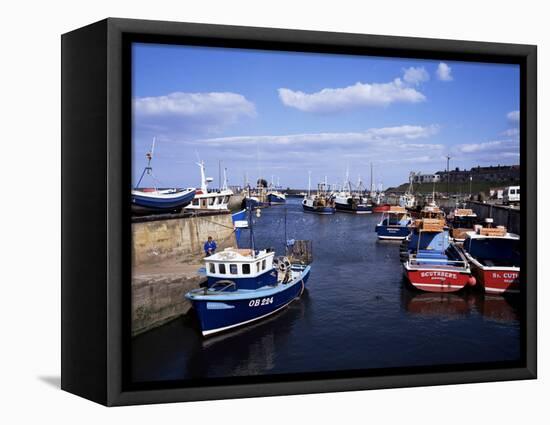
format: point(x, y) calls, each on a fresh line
point(455, 187)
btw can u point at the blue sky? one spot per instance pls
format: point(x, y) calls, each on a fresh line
point(284, 114)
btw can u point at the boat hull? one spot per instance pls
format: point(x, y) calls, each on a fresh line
point(381, 208)
point(319, 210)
point(392, 232)
point(495, 280)
point(148, 201)
point(358, 209)
point(275, 199)
point(218, 313)
point(436, 279)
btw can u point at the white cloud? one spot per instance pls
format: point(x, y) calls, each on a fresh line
point(513, 116)
point(489, 152)
point(191, 112)
point(371, 136)
point(511, 132)
point(416, 76)
point(358, 95)
point(444, 72)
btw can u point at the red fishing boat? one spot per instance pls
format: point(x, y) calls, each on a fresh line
point(433, 263)
point(380, 208)
point(494, 255)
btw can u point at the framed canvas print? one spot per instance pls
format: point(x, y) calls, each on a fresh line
point(251, 212)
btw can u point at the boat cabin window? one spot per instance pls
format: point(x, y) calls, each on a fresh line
point(263, 264)
point(221, 268)
point(246, 268)
point(212, 267)
point(233, 269)
point(258, 267)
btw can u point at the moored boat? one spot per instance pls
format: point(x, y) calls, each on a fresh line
point(161, 200)
point(461, 221)
point(349, 202)
point(395, 224)
point(433, 263)
point(240, 222)
point(408, 200)
point(275, 197)
point(494, 255)
point(320, 203)
point(246, 285)
point(155, 200)
point(207, 199)
point(380, 208)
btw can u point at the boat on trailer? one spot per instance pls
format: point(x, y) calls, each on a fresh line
point(432, 262)
point(207, 199)
point(494, 256)
point(395, 224)
point(156, 200)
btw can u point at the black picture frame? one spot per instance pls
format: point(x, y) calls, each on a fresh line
point(95, 208)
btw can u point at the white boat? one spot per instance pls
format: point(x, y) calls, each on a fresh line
point(207, 199)
point(408, 200)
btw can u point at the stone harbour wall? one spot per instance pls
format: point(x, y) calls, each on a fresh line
point(166, 256)
point(180, 239)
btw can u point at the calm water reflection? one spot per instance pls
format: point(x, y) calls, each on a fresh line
point(357, 313)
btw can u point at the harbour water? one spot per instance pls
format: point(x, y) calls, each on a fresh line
point(357, 313)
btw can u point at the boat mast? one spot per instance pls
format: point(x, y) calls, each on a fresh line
point(309, 184)
point(371, 181)
point(220, 174)
point(204, 186)
point(224, 187)
point(251, 227)
point(148, 169)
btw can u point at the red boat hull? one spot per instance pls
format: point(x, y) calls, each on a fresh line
point(496, 281)
point(434, 280)
point(381, 208)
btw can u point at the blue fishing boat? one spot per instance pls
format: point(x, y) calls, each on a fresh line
point(274, 197)
point(395, 224)
point(246, 285)
point(239, 222)
point(161, 200)
point(155, 200)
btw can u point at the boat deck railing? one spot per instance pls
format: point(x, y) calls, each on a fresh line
point(414, 260)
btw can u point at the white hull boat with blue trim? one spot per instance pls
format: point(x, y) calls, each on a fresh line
point(207, 199)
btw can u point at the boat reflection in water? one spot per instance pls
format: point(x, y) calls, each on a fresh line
point(498, 308)
point(495, 308)
point(185, 354)
point(442, 304)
